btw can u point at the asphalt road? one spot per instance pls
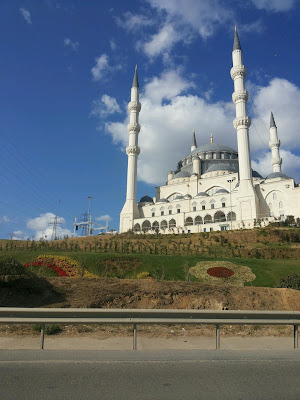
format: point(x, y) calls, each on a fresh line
point(143, 375)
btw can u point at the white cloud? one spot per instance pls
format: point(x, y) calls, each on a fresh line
point(105, 217)
point(5, 219)
point(203, 16)
point(290, 164)
point(112, 44)
point(169, 114)
point(69, 43)
point(161, 41)
point(26, 15)
point(107, 105)
point(275, 5)
point(40, 225)
point(102, 67)
point(133, 22)
point(19, 235)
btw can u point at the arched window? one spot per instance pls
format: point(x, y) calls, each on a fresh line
point(231, 216)
point(198, 220)
point(207, 219)
point(163, 224)
point(155, 225)
point(137, 228)
point(146, 226)
point(172, 223)
point(219, 216)
point(280, 204)
point(189, 221)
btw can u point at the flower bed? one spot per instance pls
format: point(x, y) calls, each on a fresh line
point(222, 273)
point(63, 266)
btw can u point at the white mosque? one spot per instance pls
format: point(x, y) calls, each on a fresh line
point(213, 187)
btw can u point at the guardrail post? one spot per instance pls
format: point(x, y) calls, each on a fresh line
point(296, 343)
point(42, 335)
point(217, 337)
point(134, 337)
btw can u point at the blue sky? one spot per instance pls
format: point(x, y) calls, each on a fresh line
point(66, 70)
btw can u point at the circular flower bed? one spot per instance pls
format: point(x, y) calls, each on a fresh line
point(222, 273)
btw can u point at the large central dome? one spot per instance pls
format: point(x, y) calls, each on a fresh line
point(205, 148)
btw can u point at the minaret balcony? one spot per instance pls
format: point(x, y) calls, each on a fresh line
point(134, 128)
point(239, 71)
point(241, 95)
point(134, 106)
point(242, 122)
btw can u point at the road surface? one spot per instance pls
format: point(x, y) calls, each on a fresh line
point(143, 375)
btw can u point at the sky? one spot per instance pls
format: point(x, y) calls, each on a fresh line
point(66, 70)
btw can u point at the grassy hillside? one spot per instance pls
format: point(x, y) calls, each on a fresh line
point(270, 253)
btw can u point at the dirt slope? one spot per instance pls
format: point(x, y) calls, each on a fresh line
point(125, 293)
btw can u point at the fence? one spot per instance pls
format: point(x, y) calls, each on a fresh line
point(135, 317)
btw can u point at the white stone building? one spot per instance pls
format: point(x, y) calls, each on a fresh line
point(213, 187)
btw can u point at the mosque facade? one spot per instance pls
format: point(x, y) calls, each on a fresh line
point(214, 187)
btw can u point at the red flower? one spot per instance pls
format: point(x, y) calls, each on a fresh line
point(220, 272)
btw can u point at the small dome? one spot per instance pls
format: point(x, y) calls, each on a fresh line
point(277, 175)
point(222, 191)
point(182, 174)
point(146, 199)
point(220, 167)
point(187, 196)
point(162, 201)
point(201, 194)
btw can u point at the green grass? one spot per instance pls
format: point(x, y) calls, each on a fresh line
point(267, 272)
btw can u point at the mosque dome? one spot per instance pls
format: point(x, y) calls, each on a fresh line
point(182, 174)
point(205, 148)
point(162, 201)
point(146, 199)
point(222, 191)
point(277, 175)
point(201, 194)
point(220, 167)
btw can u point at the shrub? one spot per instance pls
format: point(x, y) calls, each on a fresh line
point(50, 329)
point(290, 282)
point(10, 269)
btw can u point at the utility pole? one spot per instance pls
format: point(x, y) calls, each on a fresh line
point(230, 182)
point(90, 226)
point(55, 223)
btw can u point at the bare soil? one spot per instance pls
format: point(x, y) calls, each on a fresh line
point(126, 293)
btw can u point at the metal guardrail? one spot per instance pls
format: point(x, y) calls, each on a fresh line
point(137, 316)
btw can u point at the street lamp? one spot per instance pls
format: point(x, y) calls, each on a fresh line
point(230, 182)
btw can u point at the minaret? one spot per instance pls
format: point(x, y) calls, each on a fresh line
point(194, 142)
point(274, 145)
point(211, 138)
point(130, 210)
point(246, 193)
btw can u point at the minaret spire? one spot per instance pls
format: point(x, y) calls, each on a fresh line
point(274, 145)
point(236, 41)
point(211, 138)
point(135, 82)
point(194, 142)
point(130, 210)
